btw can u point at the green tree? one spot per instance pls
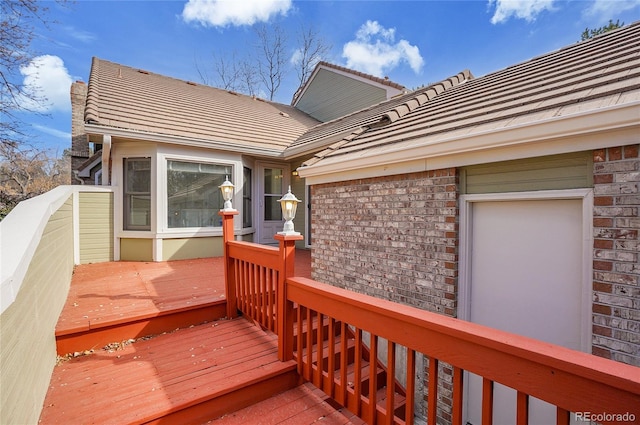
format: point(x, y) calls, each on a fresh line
point(590, 33)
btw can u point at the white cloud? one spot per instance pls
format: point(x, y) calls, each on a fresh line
point(221, 13)
point(80, 35)
point(608, 9)
point(47, 80)
point(522, 9)
point(53, 132)
point(375, 51)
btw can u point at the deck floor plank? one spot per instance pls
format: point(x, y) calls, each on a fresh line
point(304, 404)
point(107, 293)
point(104, 294)
point(153, 377)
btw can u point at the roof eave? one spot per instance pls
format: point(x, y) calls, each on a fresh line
point(545, 137)
point(183, 141)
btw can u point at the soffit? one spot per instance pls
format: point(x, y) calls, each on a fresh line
point(126, 98)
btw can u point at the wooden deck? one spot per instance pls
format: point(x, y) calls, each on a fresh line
point(110, 302)
point(207, 370)
point(304, 404)
point(204, 366)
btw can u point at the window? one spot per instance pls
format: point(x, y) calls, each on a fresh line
point(247, 208)
point(137, 193)
point(94, 147)
point(193, 195)
point(273, 178)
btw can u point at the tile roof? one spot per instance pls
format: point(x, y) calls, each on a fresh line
point(126, 98)
point(586, 76)
point(341, 130)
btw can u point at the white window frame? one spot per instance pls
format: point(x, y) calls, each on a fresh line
point(162, 204)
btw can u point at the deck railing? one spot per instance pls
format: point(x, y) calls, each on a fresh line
point(332, 320)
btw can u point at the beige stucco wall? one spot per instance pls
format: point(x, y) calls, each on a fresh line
point(27, 326)
point(182, 249)
point(96, 227)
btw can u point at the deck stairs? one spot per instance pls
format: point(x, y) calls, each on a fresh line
point(322, 371)
point(205, 371)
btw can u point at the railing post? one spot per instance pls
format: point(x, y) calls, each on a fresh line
point(285, 317)
point(229, 275)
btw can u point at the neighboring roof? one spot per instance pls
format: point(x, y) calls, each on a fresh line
point(334, 133)
point(333, 91)
point(602, 74)
point(144, 103)
point(85, 168)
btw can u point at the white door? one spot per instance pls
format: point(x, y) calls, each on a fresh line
point(525, 275)
point(271, 187)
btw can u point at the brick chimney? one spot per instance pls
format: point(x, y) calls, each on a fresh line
point(79, 139)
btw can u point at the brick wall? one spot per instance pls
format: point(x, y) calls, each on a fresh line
point(390, 237)
point(616, 268)
point(79, 140)
point(394, 238)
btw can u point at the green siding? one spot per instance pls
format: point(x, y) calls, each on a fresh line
point(96, 227)
point(27, 327)
point(568, 171)
point(184, 249)
point(136, 249)
point(332, 95)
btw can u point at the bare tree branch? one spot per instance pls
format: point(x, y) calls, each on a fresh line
point(18, 19)
point(272, 62)
point(312, 48)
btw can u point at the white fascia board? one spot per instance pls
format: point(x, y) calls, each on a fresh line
point(180, 140)
point(20, 234)
point(577, 132)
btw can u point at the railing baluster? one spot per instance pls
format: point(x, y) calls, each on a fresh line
point(344, 360)
point(522, 408)
point(239, 285)
point(264, 303)
point(253, 288)
point(300, 341)
point(309, 336)
point(357, 378)
point(456, 417)
point(391, 381)
point(319, 349)
point(273, 279)
point(432, 399)
point(373, 376)
point(563, 417)
point(487, 401)
point(410, 387)
point(331, 364)
point(245, 287)
point(232, 309)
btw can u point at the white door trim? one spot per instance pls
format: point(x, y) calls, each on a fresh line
point(464, 281)
point(260, 166)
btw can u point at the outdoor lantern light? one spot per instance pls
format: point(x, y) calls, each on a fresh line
point(227, 193)
point(289, 204)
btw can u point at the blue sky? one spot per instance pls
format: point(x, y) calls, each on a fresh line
point(412, 42)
